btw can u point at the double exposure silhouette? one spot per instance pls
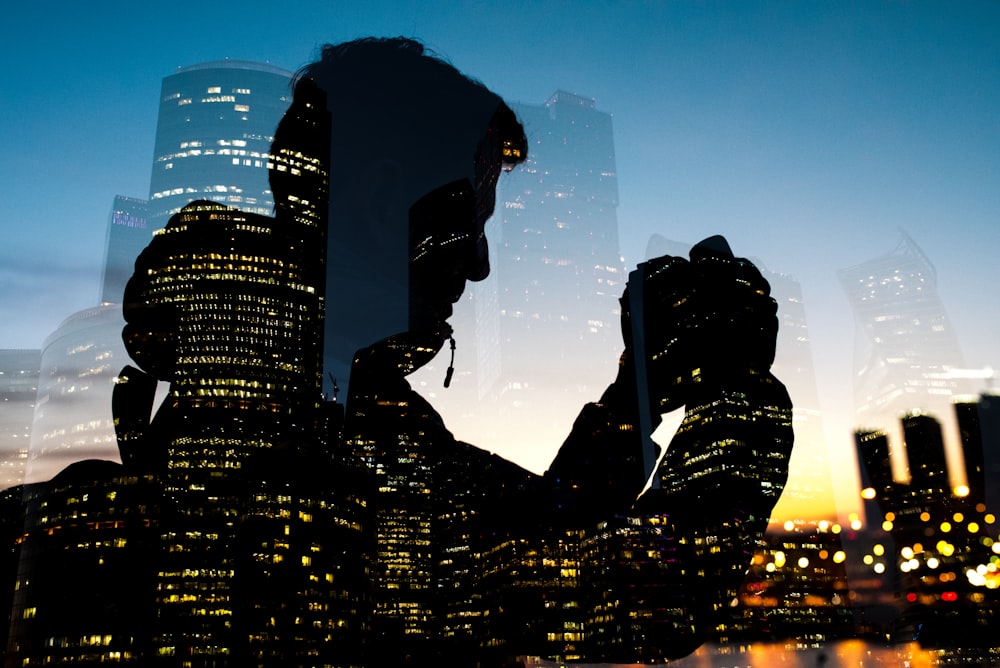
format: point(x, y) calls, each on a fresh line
point(268, 525)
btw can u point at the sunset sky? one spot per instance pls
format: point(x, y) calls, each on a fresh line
point(807, 133)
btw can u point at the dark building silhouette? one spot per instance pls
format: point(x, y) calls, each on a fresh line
point(925, 455)
point(83, 592)
point(989, 426)
point(11, 528)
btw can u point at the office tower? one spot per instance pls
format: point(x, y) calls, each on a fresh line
point(558, 266)
point(213, 137)
point(546, 324)
point(79, 366)
point(83, 588)
point(872, 449)
point(128, 234)
point(19, 371)
point(229, 310)
point(11, 530)
point(905, 341)
point(989, 424)
point(979, 428)
point(925, 454)
point(241, 298)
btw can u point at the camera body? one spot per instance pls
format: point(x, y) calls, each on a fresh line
point(688, 320)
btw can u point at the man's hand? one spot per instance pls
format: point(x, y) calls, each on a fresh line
point(712, 316)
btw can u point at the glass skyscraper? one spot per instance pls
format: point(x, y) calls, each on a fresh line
point(906, 343)
point(128, 234)
point(546, 321)
point(213, 137)
point(79, 367)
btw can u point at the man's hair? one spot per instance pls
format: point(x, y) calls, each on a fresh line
point(389, 98)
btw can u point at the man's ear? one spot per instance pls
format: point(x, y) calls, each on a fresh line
point(381, 196)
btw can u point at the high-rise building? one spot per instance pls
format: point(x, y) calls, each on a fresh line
point(925, 454)
point(213, 137)
point(989, 425)
point(226, 306)
point(79, 367)
point(546, 321)
point(905, 341)
point(128, 234)
point(18, 388)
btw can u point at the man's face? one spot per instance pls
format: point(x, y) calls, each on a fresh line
point(448, 247)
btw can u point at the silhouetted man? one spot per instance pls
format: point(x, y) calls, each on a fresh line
point(471, 552)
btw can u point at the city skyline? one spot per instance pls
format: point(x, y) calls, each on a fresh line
point(695, 158)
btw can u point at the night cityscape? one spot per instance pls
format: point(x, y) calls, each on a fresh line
point(242, 453)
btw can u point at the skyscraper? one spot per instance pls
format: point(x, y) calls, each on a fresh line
point(128, 234)
point(213, 137)
point(18, 388)
point(546, 321)
point(227, 306)
point(79, 366)
point(905, 342)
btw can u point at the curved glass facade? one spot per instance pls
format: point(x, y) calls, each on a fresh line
point(213, 137)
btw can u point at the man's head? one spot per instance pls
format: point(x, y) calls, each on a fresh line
point(410, 137)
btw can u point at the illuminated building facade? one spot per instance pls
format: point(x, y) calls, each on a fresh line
point(19, 371)
point(230, 311)
point(231, 314)
point(213, 137)
point(227, 307)
point(83, 593)
point(128, 234)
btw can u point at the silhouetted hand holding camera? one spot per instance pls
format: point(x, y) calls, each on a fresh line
point(687, 321)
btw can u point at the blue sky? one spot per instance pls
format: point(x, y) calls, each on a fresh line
point(806, 132)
